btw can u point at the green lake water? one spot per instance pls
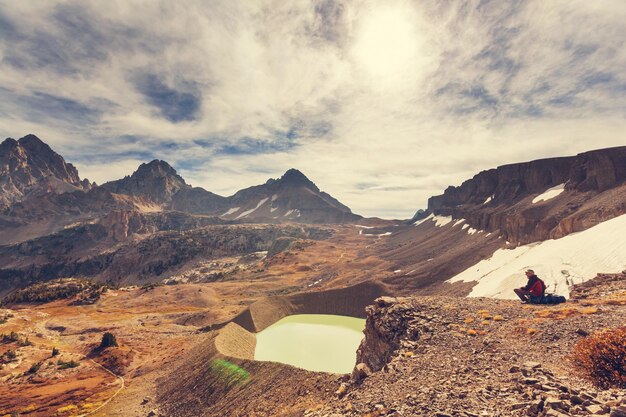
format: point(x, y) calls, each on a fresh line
point(317, 342)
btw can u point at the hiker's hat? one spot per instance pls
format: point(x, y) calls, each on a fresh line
point(531, 271)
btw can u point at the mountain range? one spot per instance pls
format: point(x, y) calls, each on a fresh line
point(40, 194)
point(55, 224)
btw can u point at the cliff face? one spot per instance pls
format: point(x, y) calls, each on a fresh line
point(501, 199)
point(390, 325)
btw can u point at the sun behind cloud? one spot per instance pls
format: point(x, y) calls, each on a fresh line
point(388, 42)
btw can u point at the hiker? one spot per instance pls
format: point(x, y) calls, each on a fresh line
point(533, 291)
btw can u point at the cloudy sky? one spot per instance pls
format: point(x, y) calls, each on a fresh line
point(382, 104)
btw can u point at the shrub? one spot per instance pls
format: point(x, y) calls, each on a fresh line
point(55, 351)
point(34, 368)
point(9, 338)
point(108, 340)
point(24, 342)
point(65, 365)
point(601, 357)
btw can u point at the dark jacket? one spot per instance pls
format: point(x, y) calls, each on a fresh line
point(535, 286)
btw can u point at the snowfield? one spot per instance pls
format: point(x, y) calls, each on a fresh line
point(559, 262)
point(549, 193)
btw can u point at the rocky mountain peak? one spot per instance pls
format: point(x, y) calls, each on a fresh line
point(296, 178)
point(157, 168)
point(156, 180)
point(32, 142)
point(29, 165)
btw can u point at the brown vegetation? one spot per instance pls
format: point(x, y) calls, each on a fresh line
point(601, 357)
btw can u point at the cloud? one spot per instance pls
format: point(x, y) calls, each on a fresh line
point(382, 104)
point(174, 105)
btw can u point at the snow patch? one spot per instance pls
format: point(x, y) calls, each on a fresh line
point(456, 223)
point(465, 226)
point(471, 231)
point(274, 197)
point(549, 193)
point(488, 199)
point(288, 213)
point(245, 213)
point(273, 209)
point(231, 211)
point(561, 263)
point(430, 217)
point(441, 221)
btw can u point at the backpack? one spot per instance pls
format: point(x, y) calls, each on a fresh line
point(552, 299)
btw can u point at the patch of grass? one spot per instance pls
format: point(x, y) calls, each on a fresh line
point(67, 409)
point(89, 406)
point(557, 313)
point(67, 365)
point(468, 320)
point(498, 317)
point(589, 310)
point(601, 357)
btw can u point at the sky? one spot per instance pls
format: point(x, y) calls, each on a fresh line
point(381, 103)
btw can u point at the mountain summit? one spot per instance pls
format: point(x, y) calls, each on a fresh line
point(156, 181)
point(295, 178)
point(29, 166)
point(292, 197)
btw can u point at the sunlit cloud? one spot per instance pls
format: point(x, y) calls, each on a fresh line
point(381, 103)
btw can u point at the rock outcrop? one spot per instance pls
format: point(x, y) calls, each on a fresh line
point(502, 199)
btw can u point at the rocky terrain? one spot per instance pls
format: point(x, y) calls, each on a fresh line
point(139, 252)
point(184, 279)
point(439, 356)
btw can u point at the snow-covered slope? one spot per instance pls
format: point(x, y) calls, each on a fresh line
point(560, 263)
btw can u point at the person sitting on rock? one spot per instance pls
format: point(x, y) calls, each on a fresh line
point(533, 291)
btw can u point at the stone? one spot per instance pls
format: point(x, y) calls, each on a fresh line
point(519, 406)
point(595, 409)
point(555, 413)
point(530, 381)
point(582, 332)
point(619, 412)
point(532, 365)
point(360, 372)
